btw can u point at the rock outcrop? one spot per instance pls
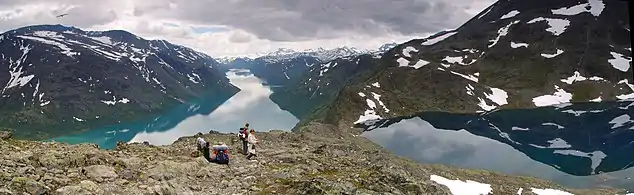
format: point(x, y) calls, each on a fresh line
point(314, 160)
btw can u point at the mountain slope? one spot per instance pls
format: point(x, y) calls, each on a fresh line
point(321, 83)
point(514, 54)
point(55, 79)
point(286, 67)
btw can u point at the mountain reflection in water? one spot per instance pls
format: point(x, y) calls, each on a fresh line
point(251, 105)
point(579, 145)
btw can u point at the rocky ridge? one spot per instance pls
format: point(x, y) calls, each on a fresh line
point(317, 159)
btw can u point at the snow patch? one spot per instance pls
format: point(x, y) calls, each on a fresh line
point(557, 26)
point(510, 14)
point(103, 39)
point(626, 96)
point(459, 60)
point(377, 98)
point(17, 76)
point(502, 32)
point(596, 7)
point(575, 77)
point(549, 192)
point(467, 187)
point(78, 119)
point(559, 51)
point(620, 61)
point(115, 101)
point(438, 39)
point(407, 50)
point(468, 77)
point(65, 49)
point(598, 99)
point(560, 96)
point(498, 96)
point(518, 45)
point(376, 84)
point(368, 115)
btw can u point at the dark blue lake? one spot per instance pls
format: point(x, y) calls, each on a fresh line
point(581, 145)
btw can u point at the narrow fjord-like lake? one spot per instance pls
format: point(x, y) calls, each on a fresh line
point(580, 146)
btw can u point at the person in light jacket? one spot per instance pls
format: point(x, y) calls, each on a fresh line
point(252, 142)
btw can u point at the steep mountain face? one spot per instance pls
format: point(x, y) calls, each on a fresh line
point(286, 67)
point(55, 79)
point(321, 84)
point(515, 54)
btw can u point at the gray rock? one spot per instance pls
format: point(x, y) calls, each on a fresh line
point(4, 191)
point(85, 187)
point(5, 135)
point(100, 173)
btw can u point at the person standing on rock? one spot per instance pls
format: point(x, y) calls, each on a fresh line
point(243, 136)
point(252, 142)
point(206, 153)
point(200, 143)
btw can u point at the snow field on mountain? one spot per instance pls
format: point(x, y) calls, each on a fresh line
point(620, 61)
point(576, 77)
point(402, 62)
point(596, 7)
point(558, 97)
point(510, 14)
point(626, 96)
point(502, 32)
point(370, 113)
point(518, 45)
point(557, 26)
point(438, 39)
point(559, 51)
point(468, 187)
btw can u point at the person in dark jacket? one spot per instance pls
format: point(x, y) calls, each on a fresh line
point(206, 152)
point(244, 134)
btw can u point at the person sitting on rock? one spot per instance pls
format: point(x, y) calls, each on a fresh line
point(220, 154)
point(252, 142)
point(200, 143)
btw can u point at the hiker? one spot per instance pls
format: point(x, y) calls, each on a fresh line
point(252, 142)
point(221, 153)
point(243, 136)
point(206, 153)
point(200, 143)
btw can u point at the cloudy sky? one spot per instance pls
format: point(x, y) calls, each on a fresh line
point(246, 27)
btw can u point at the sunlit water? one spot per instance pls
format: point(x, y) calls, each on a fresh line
point(251, 104)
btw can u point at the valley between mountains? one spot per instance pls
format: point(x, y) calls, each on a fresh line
point(558, 63)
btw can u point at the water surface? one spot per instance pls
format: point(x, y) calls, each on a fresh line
point(579, 146)
point(250, 105)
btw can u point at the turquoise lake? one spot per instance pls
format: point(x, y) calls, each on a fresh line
point(251, 104)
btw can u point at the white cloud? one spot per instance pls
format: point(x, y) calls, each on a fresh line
point(246, 27)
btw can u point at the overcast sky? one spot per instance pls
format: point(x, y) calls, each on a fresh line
point(242, 27)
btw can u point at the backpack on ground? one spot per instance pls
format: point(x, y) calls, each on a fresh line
point(222, 157)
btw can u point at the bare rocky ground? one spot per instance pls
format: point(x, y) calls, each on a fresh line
point(318, 159)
